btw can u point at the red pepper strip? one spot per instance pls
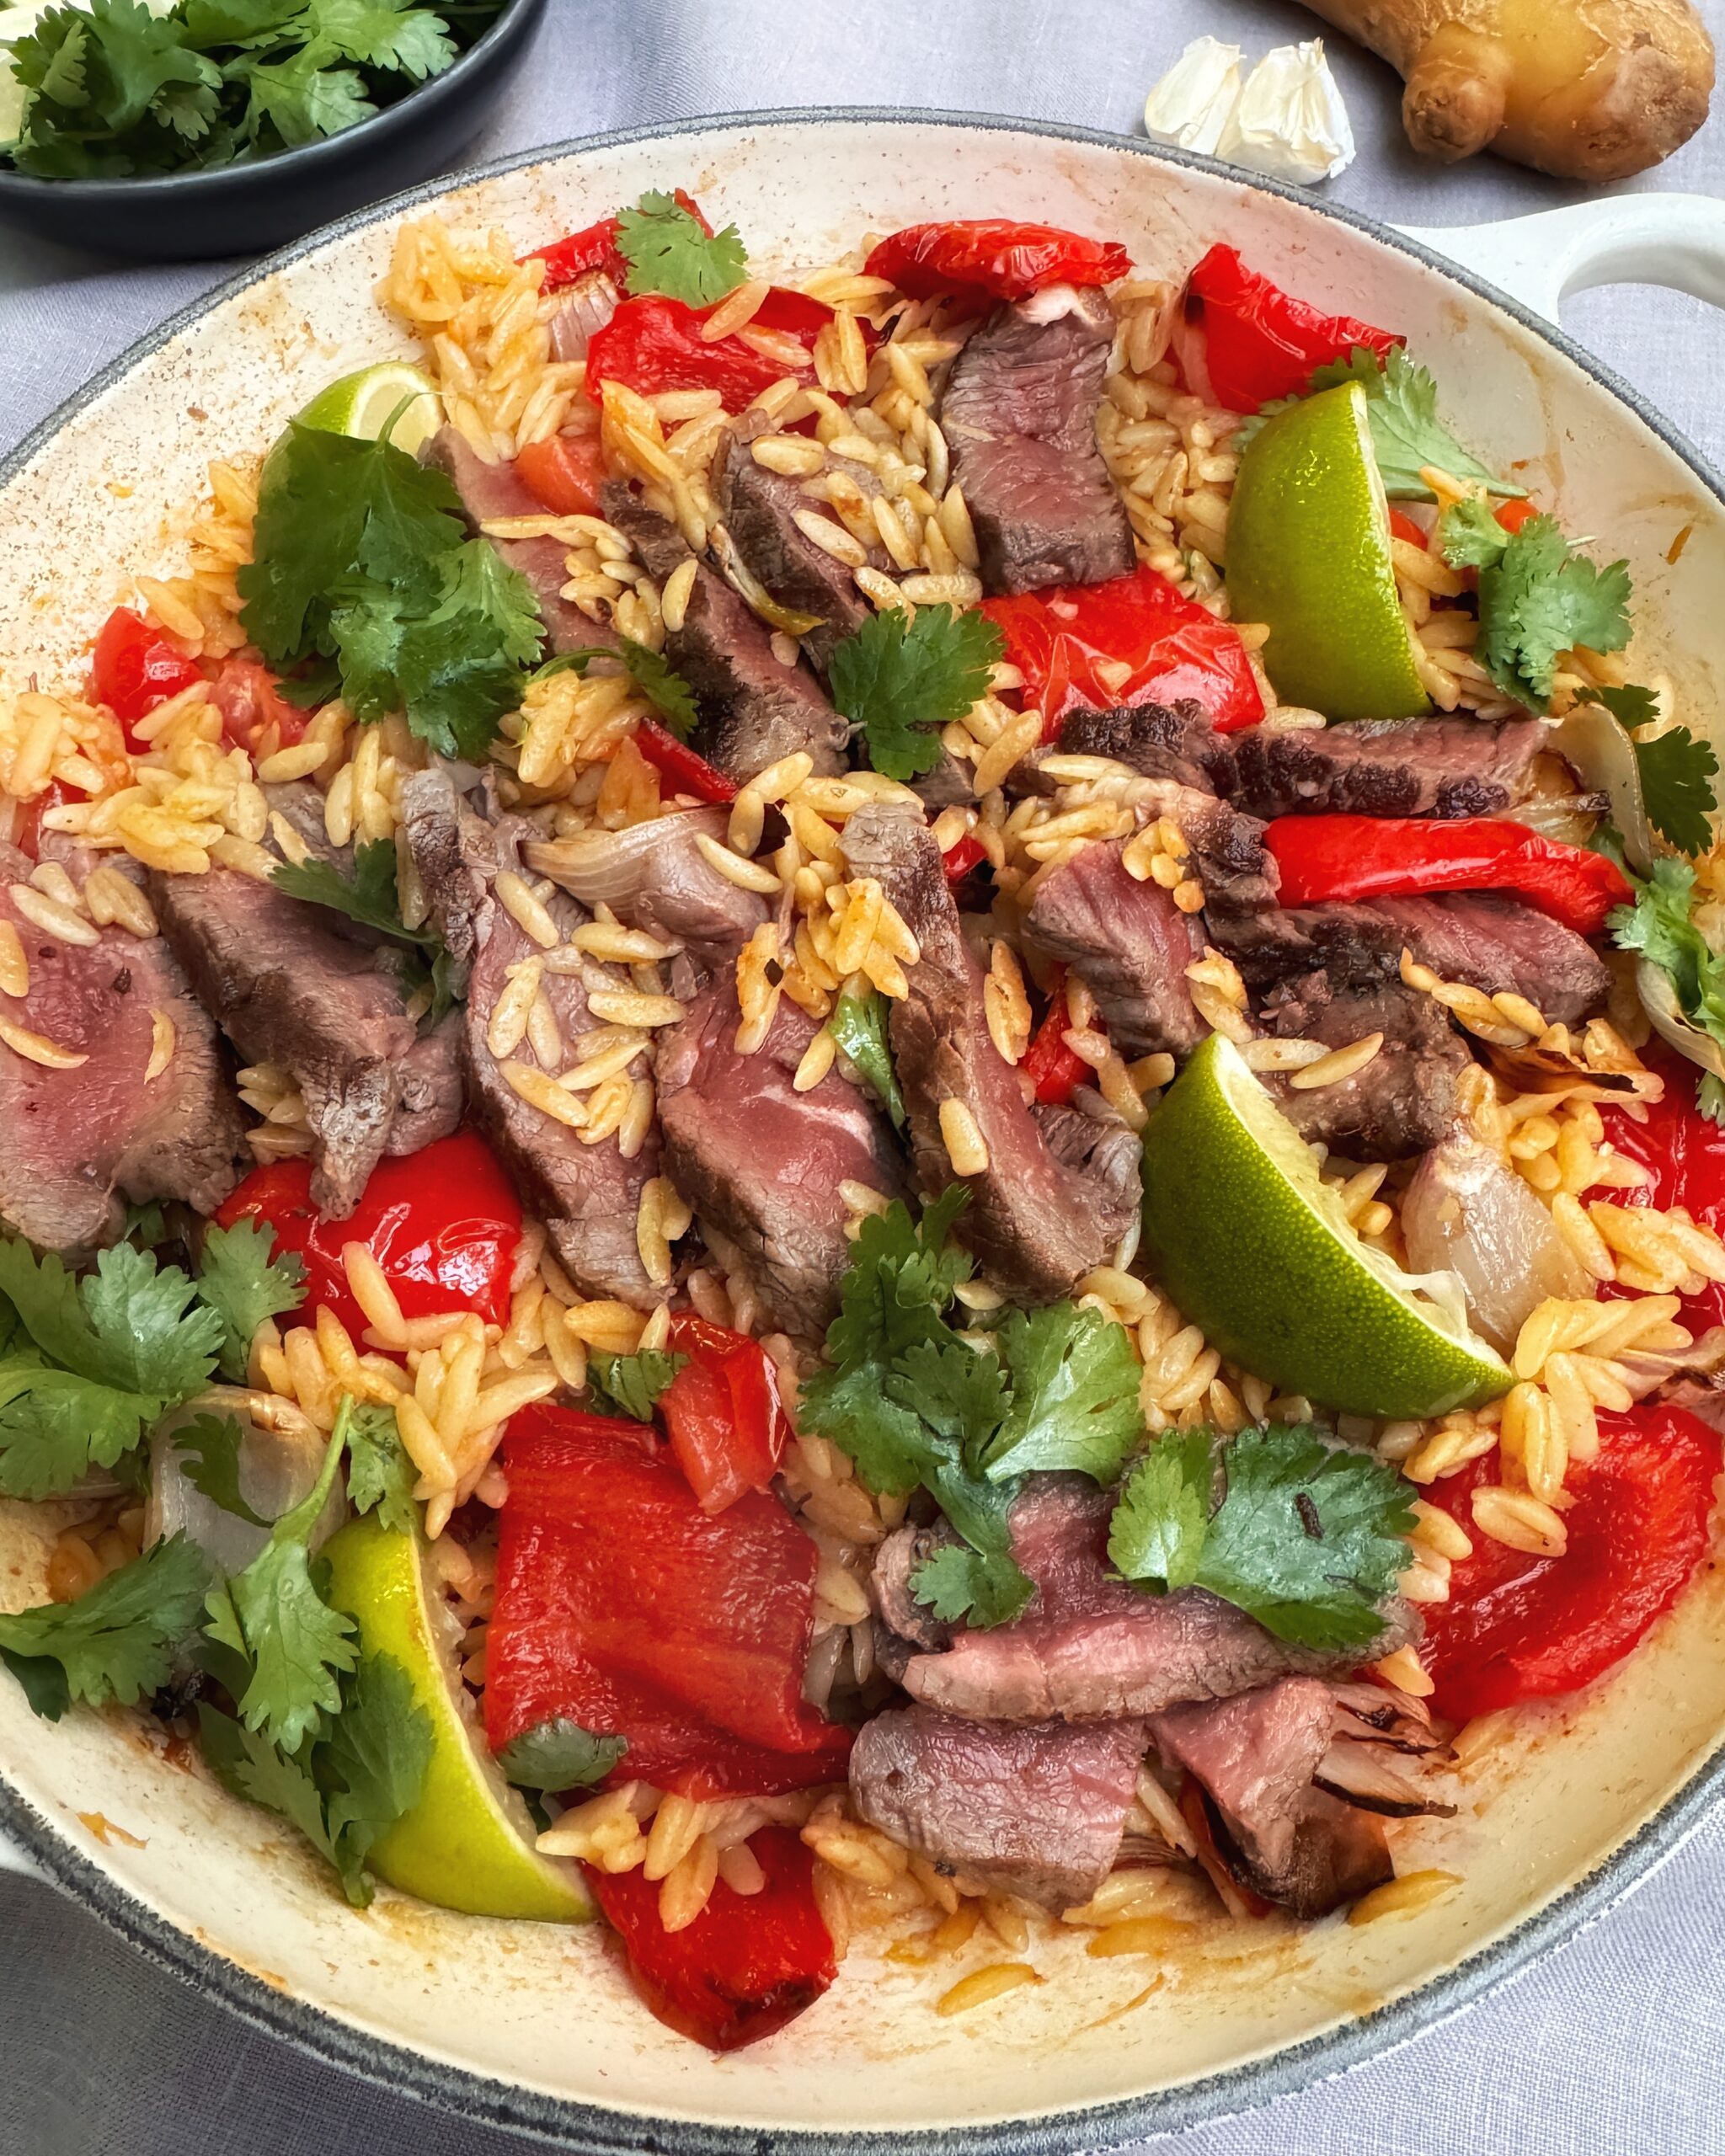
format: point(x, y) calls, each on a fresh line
point(722, 1412)
point(1050, 1065)
point(960, 857)
point(251, 704)
point(1684, 1155)
point(652, 344)
point(567, 261)
point(624, 1607)
point(1260, 343)
point(444, 1224)
point(1061, 639)
point(1517, 1627)
point(1323, 857)
point(992, 254)
point(565, 472)
point(687, 773)
point(745, 1967)
point(134, 668)
point(1402, 526)
point(1514, 512)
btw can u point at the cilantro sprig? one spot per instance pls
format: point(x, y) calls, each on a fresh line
point(898, 680)
point(1677, 770)
point(859, 1025)
point(370, 896)
point(1538, 597)
point(1660, 926)
point(630, 1384)
point(559, 1754)
point(1406, 434)
point(671, 252)
point(652, 673)
point(1308, 1536)
point(245, 1283)
point(119, 1642)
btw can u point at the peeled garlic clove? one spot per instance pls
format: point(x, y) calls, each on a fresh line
point(1291, 122)
point(1194, 102)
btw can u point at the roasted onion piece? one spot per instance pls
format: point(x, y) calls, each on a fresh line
point(281, 1453)
point(1468, 1210)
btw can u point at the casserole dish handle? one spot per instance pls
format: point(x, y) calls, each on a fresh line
point(1677, 240)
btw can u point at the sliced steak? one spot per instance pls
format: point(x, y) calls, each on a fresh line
point(656, 877)
point(760, 510)
point(1036, 1810)
point(1402, 1102)
point(287, 988)
point(433, 1089)
point(491, 492)
point(1439, 766)
point(1019, 414)
point(452, 853)
point(897, 1561)
point(1236, 868)
point(764, 1163)
point(754, 708)
point(1131, 946)
point(1036, 1222)
point(1255, 1756)
point(73, 1144)
point(1090, 1646)
point(1174, 741)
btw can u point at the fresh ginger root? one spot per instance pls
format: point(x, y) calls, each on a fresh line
point(1589, 89)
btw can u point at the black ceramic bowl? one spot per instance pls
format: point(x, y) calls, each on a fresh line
point(244, 208)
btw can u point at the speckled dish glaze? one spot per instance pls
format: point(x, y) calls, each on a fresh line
point(535, 2027)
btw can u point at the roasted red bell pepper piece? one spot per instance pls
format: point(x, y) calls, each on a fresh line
point(444, 1224)
point(255, 716)
point(624, 1607)
point(1323, 857)
point(1052, 1068)
point(746, 1966)
point(654, 344)
point(1683, 1152)
point(1071, 643)
point(687, 773)
point(1402, 526)
point(960, 857)
point(995, 256)
point(1513, 512)
point(1517, 1627)
point(133, 668)
point(1260, 343)
point(565, 472)
point(722, 1412)
point(567, 261)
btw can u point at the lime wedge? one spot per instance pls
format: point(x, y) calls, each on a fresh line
point(362, 405)
point(1308, 553)
point(1256, 1252)
point(468, 1843)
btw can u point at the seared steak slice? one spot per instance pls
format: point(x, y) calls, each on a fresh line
point(763, 1163)
point(1090, 1646)
point(1175, 741)
point(1255, 1756)
point(74, 1143)
point(452, 853)
point(759, 510)
point(1034, 1809)
point(656, 877)
point(1404, 1100)
point(1036, 1224)
point(1131, 946)
point(754, 708)
point(288, 988)
point(897, 1561)
point(1020, 415)
point(491, 492)
point(1438, 767)
point(433, 1091)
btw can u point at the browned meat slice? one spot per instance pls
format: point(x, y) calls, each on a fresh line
point(491, 492)
point(1400, 1103)
point(1094, 1141)
point(763, 1163)
point(760, 509)
point(1036, 1222)
point(754, 708)
point(287, 988)
point(1255, 1756)
point(1174, 741)
point(1020, 415)
point(902, 1555)
point(1035, 1809)
point(1386, 767)
point(1091, 1646)
point(452, 854)
point(433, 1092)
point(656, 877)
point(1131, 946)
point(589, 1196)
point(74, 1143)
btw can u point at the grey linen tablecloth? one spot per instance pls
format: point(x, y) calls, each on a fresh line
point(1615, 2047)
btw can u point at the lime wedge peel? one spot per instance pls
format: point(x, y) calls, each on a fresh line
point(1257, 1251)
point(362, 405)
point(468, 1843)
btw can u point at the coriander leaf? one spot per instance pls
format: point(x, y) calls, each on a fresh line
point(559, 1754)
point(249, 1765)
point(236, 22)
point(1469, 536)
point(1401, 403)
point(901, 1276)
point(986, 1589)
point(1075, 1394)
point(55, 1427)
point(380, 1475)
point(959, 1391)
point(1710, 1097)
point(383, 34)
point(891, 1445)
point(299, 100)
point(209, 1447)
point(1630, 707)
point(119, 1641)
point(632, 1383)
point(239, 1280)
point(1157, 1533)
point(460, 666)
point(668, 251)
point(378, 1754)
point(42, 1681)
point(126, 1324)
point(1309, 1536)
point(1540, 599)
point(859, 1025)
point(663, 686)
point(899, 681)
point(368, 896)
point(1677, 775)
point(1660, 926)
